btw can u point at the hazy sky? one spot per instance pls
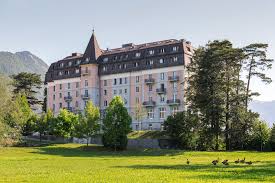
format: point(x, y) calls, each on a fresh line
point(53, 29)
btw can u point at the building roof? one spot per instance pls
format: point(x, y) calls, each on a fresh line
point(93, 50)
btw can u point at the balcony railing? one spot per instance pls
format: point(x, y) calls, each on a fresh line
point(85, 97)
point(173, 78)
point(69, 109)
point(68, 98)
point(86, 73)
point(173, 102)
point(149, 103)
point(161, 90)
point(149, 81)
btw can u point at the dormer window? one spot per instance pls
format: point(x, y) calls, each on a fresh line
point(104, 68)
point(175, 48)
point(87, 59)
point(77, 71)
point(61, 65)
point(151, 52)
point(126, 56)
point(124, 66)
point(120, 66)
point(151, 62)
point(70, 64)
point(115, 57)
point(162, 50)
point(137, 54)
point(105, 59)
point(136, 64)
point(188, 49)
point(175, 59)
point(161, 61)
point(60, 73)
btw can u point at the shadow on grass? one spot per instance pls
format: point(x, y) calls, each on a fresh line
point(98, 151)
point(257, 172)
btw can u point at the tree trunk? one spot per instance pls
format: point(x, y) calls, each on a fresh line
point(87, 141)
point(248, 84)
point(40, 137)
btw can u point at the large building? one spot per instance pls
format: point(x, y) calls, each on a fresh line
point(149, 77)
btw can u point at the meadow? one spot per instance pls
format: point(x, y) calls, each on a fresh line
point(76, 163)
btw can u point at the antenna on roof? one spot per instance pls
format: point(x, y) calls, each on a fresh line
point(93, 29)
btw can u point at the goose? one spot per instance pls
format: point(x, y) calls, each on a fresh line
point(187, 162)
point(237, 161)
point(243, 160)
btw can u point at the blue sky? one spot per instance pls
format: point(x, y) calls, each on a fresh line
point(53, 29)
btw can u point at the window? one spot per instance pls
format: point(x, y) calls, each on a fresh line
point(53, 97)
point(137, 54)
point(78, 62)
point(60, 95)
point(137, 79)
point(60, 86)
point(125, 91)
point(105, 92)
point(150, 76)
point(76, 93)
point(150, 98)
point(60, 105)
point(150, 126)
point(175, 48)
point(86, 92)
point(105, 103)
point(114, 81)
point(114, 92)
point(137, 100)
point(125, 101)
point(124, 66)
point(53, 107)
point(120, 81)
point(162, 111)
point(77, 84)
point(66, 72)
point(104, 68)
point(69, 85)
point(54, 88)
point(162, 76)
point(174, 97)
point(174, 110)
point(137, 89)
point(61, 65)
point(70, 63)
point(105, 82)
point(175, 85)
point(161, 61)
point(87, 59)
point(86, 82)
point(105, 59)
point(188, 49)
point(120, 91)
point(150, 87)
point(162, 50)
point(136, 64)
point(150, 113)
point(115, 57)
point(69, 94)
point(60, 73)
point(175, 59)
point(77, 71)
point(120, 66)
point(76, 103)
point(125, 80)
point(162, 99)
point(151, 52)
point(174, 73)
point(151, 62)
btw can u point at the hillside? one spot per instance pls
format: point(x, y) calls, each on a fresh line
point(13, 63)
point(266, 109)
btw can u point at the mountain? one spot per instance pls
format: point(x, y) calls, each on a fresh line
point(13, 63)
point(266, 109)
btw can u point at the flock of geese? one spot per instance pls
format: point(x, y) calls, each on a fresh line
point(226, 162)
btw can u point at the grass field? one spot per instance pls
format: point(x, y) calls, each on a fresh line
point(72, 163)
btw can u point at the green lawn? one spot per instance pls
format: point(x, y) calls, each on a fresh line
point(70, 163)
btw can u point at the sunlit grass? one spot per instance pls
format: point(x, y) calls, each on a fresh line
point(74, 163)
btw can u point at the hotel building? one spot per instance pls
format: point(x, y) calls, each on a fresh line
point(149, 77)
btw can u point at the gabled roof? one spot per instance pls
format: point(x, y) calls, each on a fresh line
point(93, 50)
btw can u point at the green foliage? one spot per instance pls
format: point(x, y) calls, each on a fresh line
point(63, 125)
point(259, 136)
point(28, 84)
point(116, 125)
point(88, 124)
point(181, 128)
point(272, 138)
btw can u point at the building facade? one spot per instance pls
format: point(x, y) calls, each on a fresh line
point(149, 77)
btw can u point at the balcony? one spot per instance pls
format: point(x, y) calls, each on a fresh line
point(68, 98)
point(161, 90)
point(173, 102)
point(149, 81)
point(173, 78)
point(85, 97)
point(69, 109)
point(86, 73)
point(149, 103)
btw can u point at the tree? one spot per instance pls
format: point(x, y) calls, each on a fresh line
point(44, 105)
point(28, 84)
point(63, 125)
point(88, 125)
point(43, 123)
point(140, 113)
point(259, 136)
point(181, 127)
point(116, 125)
point(256, 64)
point(272, 138)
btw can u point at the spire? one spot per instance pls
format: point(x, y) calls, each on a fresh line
point(92, 51)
